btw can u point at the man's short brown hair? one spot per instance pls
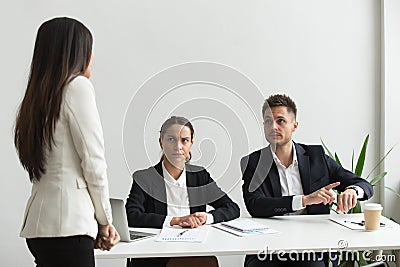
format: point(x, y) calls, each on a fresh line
point(280, 100)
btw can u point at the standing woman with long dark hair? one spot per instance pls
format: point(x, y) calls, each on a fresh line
point(59, 140)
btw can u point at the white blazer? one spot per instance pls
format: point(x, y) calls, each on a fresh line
point(72, 197)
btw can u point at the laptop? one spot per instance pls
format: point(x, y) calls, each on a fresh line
point(120, 223)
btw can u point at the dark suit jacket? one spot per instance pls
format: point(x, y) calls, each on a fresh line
point(146, 205)
point(262, 189)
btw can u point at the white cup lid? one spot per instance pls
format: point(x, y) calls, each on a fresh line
point(372, 206)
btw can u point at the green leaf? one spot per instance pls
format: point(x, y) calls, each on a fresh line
point(356, 209)
point(378, 178)
point(327, 149)
point(379, 163)
point(337, 159)
point(390, 189)
point(361, 157)
point(393, 191)
point(352, 161)
point(346, 263)
point(362, 261)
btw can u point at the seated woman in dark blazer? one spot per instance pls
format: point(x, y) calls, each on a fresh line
point(174, 192)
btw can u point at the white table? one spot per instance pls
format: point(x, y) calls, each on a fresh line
point(296, 233)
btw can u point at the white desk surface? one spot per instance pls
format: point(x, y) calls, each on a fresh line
point(303, 232)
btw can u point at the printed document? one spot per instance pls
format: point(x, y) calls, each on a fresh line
point(173, 234)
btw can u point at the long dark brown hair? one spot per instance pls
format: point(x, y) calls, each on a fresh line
point(180, 121)
point(62, 52)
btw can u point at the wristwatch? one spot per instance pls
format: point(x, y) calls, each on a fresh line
point(355, 188)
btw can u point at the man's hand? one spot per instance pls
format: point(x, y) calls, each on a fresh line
point(323, 195)
point(107, 237)
point(193, 220)
point(346, 200)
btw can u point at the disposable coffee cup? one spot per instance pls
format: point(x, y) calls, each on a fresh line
point(372, 216)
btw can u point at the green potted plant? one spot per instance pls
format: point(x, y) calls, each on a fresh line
point(374, 180)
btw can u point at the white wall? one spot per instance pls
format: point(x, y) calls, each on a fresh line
point(391, 107)
point(325, 54)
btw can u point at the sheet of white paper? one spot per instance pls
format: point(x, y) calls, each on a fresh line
point(244, 233)
point(352, 221)
point(245, 225)
point(172, 234)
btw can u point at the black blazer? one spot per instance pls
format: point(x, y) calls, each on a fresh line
point(146, 205)
point(262, 189)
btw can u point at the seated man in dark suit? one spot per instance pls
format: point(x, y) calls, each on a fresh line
point(290, 178)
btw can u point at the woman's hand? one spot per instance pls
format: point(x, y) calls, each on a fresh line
point(193, 220)
point(107, 237)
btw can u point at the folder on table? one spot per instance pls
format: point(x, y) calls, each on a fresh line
point(245, 225)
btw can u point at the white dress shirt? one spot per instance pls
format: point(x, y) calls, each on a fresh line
point(177, 197)
point(291, 181)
